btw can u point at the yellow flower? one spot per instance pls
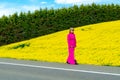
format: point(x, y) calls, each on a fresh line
point(97, 44)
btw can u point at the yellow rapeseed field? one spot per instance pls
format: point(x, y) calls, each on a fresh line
point(97, 44)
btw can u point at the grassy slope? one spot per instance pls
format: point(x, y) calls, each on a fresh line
point(97, 44)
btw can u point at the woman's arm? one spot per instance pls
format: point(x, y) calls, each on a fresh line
point(75, 40)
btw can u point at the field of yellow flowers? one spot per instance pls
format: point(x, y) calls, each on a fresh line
point(97, 44)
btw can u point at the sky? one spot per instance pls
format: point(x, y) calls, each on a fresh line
point(9, 7)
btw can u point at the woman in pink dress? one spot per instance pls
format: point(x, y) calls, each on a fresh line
point(71, 39)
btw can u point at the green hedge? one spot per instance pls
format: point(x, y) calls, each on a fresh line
point(45, 21)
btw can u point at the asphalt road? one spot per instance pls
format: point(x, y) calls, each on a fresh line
point(11, 69)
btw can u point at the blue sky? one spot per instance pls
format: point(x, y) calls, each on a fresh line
point(8, 7)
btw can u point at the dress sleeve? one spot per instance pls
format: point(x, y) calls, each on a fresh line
point(75, 40)
point(68, 39)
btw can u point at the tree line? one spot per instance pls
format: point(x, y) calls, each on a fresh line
point(24, 26)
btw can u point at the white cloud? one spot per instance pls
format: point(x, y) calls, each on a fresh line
point(8, 11)
point(43, 2)
point(76, 1)
point(29, 8)
point(4, 10)
point(33, 0)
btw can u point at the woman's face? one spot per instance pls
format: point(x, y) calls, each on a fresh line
point(72, 31)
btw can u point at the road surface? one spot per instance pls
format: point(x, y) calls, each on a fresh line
point(11, 69)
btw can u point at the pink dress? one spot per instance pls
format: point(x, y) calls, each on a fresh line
point(71, 47)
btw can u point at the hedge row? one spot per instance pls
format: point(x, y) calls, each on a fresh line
point(45, 21)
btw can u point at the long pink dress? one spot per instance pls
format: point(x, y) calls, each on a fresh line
point(71, 47)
